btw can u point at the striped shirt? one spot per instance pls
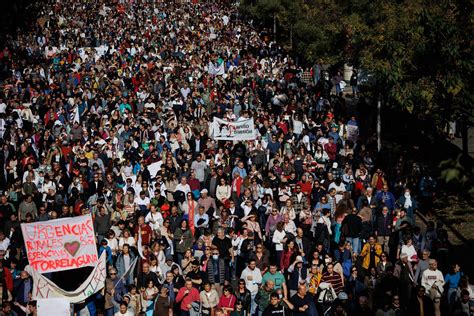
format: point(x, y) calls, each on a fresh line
point(335, 280)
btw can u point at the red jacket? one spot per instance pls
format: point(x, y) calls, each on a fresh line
point(238, 185)
point(193, 296)
point(7, 275)
point(331, 150)
point(285, 259)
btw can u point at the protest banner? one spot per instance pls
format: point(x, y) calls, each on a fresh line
point(44, 288)
point(239, 130)
point(352, 133)
point(154, 168)
point(214, 70)
point(60, 244)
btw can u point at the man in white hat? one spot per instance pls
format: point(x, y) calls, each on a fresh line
point(297, 271)
point(207, 202)
point(404, 272)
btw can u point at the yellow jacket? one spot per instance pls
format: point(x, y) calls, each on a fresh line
point(366, 254)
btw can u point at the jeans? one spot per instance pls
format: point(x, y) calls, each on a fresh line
point(355, 90)
point(452, 295)
point(109, 312)
point(253, 305)
point(383, 241)
point(100, 237)
point(355, 242)
point(411, 214)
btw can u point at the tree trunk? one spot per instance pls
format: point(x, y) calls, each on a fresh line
point(465, 138)
point(291, 37)
point(274, 26)
point(379, 124)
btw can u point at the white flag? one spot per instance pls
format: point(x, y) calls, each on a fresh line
point(139, 244)
point(216, 71)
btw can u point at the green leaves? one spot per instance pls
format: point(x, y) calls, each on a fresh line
point(419, 51)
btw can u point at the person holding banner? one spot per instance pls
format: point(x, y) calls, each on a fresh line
point(124, 263)
point(114, 289)
point(104, 108)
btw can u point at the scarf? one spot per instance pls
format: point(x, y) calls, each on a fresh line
point(408, 202)
point(191, 206)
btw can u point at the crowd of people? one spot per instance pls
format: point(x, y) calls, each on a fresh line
point(105, 109)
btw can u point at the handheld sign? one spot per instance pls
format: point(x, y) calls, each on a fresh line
point(60, 244)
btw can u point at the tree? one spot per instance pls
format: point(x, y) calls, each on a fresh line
point(418, 51)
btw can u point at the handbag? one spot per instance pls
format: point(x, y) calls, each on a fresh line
point(327, 294)
point(207, 311)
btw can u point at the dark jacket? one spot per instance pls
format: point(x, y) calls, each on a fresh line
point(294, 277)
point(19, 289)
point(414, 306)
point(223, 271)
point(102, 224)
point(351, 226)
point(383, 225)
point(144, 278)
point(245, 298)
point(96, 188)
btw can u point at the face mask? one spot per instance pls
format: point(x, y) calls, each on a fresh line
point(407, 194)
point(215, 257)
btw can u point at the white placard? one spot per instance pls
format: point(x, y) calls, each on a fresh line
point(53, 306)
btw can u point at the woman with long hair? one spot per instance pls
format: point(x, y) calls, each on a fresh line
point(189, 207)
point(339, 216)
point(290, 250)
point(243, 295)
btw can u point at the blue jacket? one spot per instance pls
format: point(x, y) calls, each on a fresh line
point(108, 251)
point(19, 288)
point(387, 198)
point(120, 265)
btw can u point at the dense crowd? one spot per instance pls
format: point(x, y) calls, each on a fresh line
point(105, 109)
